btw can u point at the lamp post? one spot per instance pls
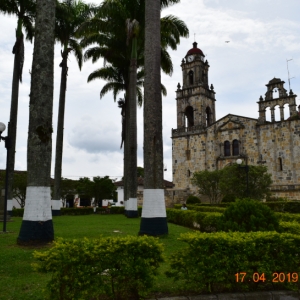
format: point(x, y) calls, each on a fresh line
point(246, 167)
point(7, 146)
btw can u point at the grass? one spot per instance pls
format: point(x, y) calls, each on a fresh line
point(19, 281)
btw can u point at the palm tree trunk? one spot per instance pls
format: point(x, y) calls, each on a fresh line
point(154, 220)
point(132, 211)
point(18, 51)
point(37, 225)
point(126, 153)
point(56, 202)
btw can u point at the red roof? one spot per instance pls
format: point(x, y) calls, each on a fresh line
point(195, 50)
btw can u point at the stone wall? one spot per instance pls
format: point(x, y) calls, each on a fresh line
point(276, 145)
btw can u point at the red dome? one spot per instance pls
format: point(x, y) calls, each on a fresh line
point(195, 50)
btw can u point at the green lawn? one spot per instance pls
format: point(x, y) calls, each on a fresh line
point(19, 281)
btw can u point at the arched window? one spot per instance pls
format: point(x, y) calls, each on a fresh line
point(268, 114)
point(191, 77)
point(277, 113)
point(189, 113)
point(279, 164)
point(275, 93)
point(188, 173)
point(226, 148)
point(208, 116)
point(235, 147)
point(286, 111)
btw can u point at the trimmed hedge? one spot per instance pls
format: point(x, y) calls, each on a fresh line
point(205, 222)
point(76, 211)
point(277, 206)
point(214, 262)
point(18, 212)
point(290, 227)
point(193, 200)
point(202, 208)
point(287, 217)
point(106, 268)
point(284, 206)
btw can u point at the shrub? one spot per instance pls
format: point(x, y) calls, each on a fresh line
point(284, 206)
point(287, 217)
point(290, 227)
point(249, 215)
point(228, 199)
point(106, 268)
point(18, 212)
point(185, 218)
point(192, 200)
point(212, 262)
point(206, 222)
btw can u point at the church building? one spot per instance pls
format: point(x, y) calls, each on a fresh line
point(200, 142)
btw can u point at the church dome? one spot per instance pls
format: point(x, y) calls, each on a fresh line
point(195, 50)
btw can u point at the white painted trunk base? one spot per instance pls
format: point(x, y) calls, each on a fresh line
point(131, 204)
point(38, 204)
point(56, 204)
point(154, 204)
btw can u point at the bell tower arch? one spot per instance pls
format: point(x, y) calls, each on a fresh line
point(276, 97)
point(195, 99)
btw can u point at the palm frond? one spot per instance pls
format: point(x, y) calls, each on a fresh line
point(77, 51)
point(112, 86)
point(163, 90)
point(166, 62)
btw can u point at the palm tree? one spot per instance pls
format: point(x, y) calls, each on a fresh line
point(25, 11)
point(37, 225)
point(132, 29)
point(106, 30)
point(154, 219)
point(70, 14)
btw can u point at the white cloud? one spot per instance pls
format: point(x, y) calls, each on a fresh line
point(262, 35)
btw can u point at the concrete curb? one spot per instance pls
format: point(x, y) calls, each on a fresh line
point(272, 295)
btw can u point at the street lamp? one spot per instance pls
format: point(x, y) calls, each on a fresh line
point(246, 167)
point(7, 146)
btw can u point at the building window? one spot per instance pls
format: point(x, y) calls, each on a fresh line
point(188, 154)
point(188, 173)
point(208, 116)
point(235, 147)
point(191, 77)
point(226, 148)
point(279, 164)
point(189, 113)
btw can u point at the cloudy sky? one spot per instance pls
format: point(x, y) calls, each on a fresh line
point(263, 35)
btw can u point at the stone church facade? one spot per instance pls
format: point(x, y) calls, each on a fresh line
point(200, 142)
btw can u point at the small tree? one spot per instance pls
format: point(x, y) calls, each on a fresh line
point(234, 182)
point(19, 187)
point(68, 187)
point(85, 187)
point(231, 182)
point(103, 188)
point(208, 183)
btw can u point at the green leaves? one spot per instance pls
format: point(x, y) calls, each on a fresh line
point(101, 267)
point(249, 215)
point(210, 261)
point(208, 183)
point(231, 182)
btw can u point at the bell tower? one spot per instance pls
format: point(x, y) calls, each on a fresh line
point(195, 99)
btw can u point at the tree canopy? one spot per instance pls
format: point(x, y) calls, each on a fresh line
point(231, 181)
